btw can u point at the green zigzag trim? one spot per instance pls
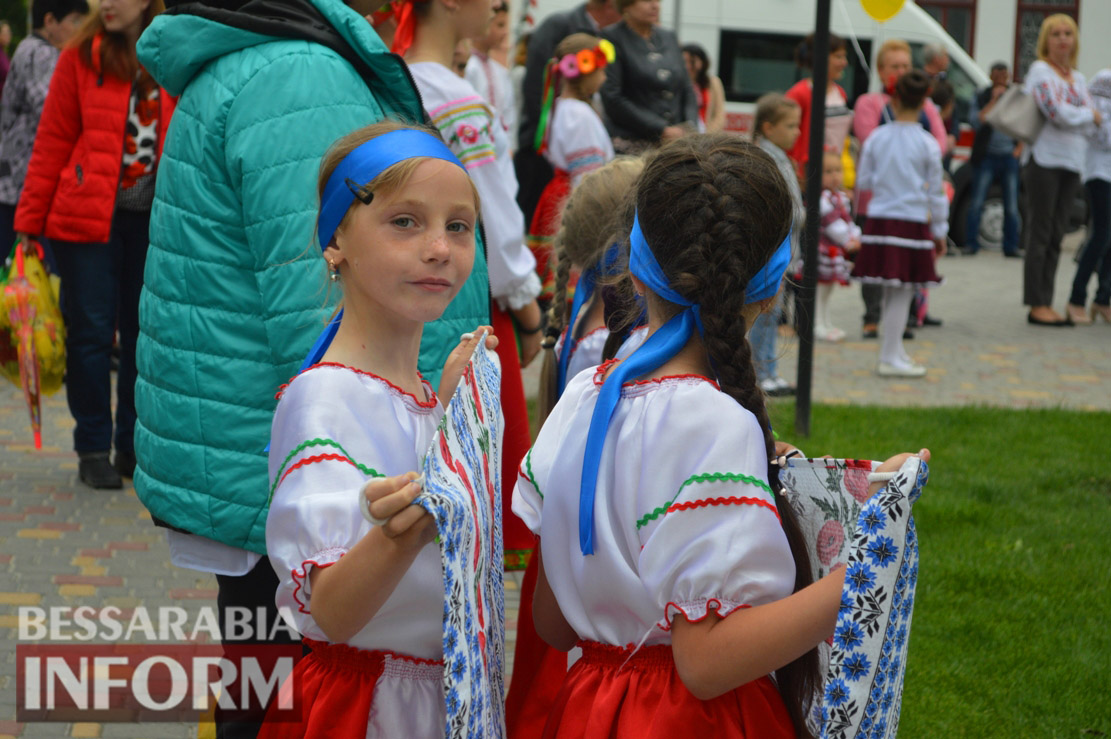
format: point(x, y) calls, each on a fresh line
point(369, 471)
point(531, 477)
point(704, 477)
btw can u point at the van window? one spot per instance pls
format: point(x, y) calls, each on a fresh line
point(964, 87)
point(753, 63)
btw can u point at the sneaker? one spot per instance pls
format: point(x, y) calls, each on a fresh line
point(784, 387)
point(776, 387)
point(829, 333)
point(909, 369)
point(870, 331)
point(125, 463)
point(97, 472)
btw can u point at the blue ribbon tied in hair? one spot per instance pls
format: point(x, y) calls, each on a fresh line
point(661, 346)
point(584, 291)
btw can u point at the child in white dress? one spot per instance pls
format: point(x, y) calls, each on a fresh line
point(570, 135)
point(595, 223)
point(397, 226)
point(838, 241)
point(666, 552)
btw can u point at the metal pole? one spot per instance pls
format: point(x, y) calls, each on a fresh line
point(805, 318)
point(675, 19)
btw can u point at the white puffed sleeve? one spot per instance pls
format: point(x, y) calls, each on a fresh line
point(332, 432)
point(717, 543)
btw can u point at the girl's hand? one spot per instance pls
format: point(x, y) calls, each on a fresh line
point(785, 451)
point(457, 361)
point(940, 246)
point(529, 321)
point(893, 464)
point(390, 501)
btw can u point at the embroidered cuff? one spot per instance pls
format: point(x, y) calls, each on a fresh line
point(323, 558)
point(696, 610)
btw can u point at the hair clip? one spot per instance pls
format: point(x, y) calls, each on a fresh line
point(364, 195)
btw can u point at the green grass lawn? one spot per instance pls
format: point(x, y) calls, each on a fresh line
point(1012, 630)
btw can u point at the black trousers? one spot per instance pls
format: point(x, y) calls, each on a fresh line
point(251, 591)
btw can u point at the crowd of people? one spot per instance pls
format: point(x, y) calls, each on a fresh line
point(586, 208)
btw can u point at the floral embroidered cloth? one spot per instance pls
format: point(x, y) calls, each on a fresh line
point(462, 490)
point(875, 539)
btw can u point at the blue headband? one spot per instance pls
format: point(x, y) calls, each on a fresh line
point(368, 161)
point(584, 290)
point(661, 346)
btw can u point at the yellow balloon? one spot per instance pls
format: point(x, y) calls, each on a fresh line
point(882, 10)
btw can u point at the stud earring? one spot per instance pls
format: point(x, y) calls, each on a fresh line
point(334, 273)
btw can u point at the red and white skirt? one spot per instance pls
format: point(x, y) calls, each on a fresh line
point(614, 692)
point(343, 691)
point(896, 252)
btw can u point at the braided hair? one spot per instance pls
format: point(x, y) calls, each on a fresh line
point(715, 208)
point(592, 219)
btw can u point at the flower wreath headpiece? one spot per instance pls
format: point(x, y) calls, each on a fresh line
point(569, 66)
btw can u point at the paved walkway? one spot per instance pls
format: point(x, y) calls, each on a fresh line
point(62, 544)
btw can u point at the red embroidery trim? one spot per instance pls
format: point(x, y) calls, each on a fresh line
point(430, 403)
point(712, 604)
point(724, 501)
point(313, 460)
point(299, 579)
point(603, 368)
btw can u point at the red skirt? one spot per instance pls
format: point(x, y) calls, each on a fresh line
point(610, 694)
point(896, 252)
point(336, 685)
point(544, 227)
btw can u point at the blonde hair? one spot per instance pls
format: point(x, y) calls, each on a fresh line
point(771, 107)
point(1043, 37)
point(597, 214)
point(391, 179)
point(891, 44)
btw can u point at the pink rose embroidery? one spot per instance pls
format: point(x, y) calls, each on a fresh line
point(467, 133)
point(856, 479)
point(830, 539)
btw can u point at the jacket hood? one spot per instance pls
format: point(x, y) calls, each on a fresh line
point(189, 35)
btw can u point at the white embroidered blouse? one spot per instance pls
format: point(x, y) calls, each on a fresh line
point(684, 519)
point(334, 429)
point(578, 142)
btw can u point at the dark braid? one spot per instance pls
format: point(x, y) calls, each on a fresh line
point(715, 208)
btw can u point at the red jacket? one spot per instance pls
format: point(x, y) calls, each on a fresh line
point(74, 173)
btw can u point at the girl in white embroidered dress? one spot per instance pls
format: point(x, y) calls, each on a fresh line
point(369, 599)
point(696, 587)
point(596, 218)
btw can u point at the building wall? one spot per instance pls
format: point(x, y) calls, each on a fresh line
point(995, 33)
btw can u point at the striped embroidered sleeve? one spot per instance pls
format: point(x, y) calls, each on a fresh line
point(528, 499)
point(715, 543)
point(465, 125)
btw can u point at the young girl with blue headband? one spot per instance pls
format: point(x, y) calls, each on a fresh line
point(666, 552)
point(398, 217)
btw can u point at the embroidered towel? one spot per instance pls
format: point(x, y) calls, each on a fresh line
point(875, 539)
point(462, 490)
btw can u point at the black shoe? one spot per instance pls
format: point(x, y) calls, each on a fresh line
point(968, 251)
point(96, 472)
point(1012, 255)
point(1039, 322)
point(929, 320)
point(870, 331)
point(125, 464)
point(908, 335)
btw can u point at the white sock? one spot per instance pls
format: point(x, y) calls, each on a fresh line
point(821, 306)
point(893, 321)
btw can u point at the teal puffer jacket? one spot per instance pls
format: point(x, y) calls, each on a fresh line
point(235, 288)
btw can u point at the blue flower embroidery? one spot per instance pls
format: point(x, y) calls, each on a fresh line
point(848, 636)
point(882, 551)
point(872, 521)
point(856, 666)
point(859, 577)
point(837, 692)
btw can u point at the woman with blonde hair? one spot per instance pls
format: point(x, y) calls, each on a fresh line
point(1055, 160)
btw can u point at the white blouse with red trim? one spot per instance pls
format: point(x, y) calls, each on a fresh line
point(334, 429)
point(684, 520)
